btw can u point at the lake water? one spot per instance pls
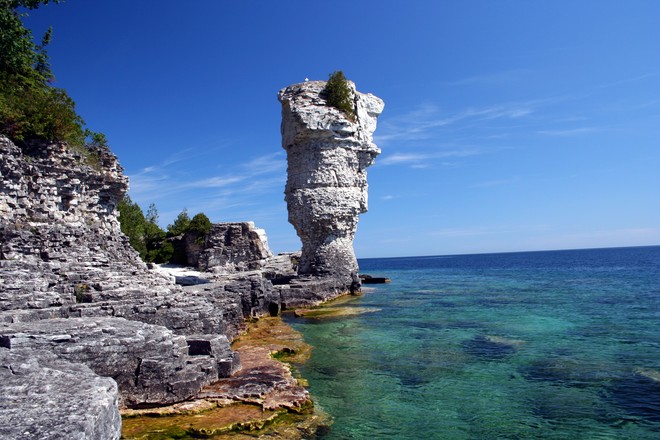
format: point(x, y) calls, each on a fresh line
point(534, 345)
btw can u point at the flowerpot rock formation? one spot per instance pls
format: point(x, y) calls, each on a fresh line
point(328, 152)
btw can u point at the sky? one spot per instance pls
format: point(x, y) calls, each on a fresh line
point(508, 125)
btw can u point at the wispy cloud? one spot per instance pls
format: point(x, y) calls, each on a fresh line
point(214, 182)
point(404, 158)
point(628, 80)
point(425, 158)
point(466, 232)
point(507, 76)
point(424, 121)
point(568, 132)
point(497, 182)
point(178, 180)
point(484, 230)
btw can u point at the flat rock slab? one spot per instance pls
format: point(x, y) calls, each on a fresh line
point(45, 397)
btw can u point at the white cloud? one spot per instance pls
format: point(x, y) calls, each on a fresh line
point(424, 121)
point(466, 232)
point(179, 182)
point(424, 159)
point(403, 158)
point(497, 182)
point(568, 132)
point(628, 80)
point(214, 182)
point(488, 230)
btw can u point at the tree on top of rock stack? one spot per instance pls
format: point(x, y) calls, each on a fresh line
point(338, 94)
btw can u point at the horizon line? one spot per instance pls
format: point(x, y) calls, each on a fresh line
point(511, 252)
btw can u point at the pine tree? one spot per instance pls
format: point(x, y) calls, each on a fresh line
point(338, 94)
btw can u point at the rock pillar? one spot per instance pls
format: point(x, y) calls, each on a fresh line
point(328, 153)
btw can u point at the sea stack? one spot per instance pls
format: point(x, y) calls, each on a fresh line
point(328, 152)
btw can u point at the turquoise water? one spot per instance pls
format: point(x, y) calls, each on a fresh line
point(538, 345)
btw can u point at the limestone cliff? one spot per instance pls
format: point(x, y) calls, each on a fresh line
point(70, 285)
point(328, 153)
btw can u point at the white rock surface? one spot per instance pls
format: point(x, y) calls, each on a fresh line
point(328, 153)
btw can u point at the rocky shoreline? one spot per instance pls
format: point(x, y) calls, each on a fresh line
point(77, 300)
point(87, 328)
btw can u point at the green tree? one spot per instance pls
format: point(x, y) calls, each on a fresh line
point(200, 225)
point(338, 94)
point(154, 237)
point(132, 222)
point(18, 53)
point(143, 232)
point(30, 108)
point(180, 225)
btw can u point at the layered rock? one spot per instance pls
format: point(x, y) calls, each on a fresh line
point(62, 255)
point(150, 363)
point(45, 397)
point(328, 153)
point(235, 247)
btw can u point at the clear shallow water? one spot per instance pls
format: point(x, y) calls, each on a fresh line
point(547, 345)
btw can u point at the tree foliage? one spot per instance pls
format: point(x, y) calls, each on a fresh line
point(149, 239)
point(338, 94)
point(180, 225)
point(18, 53)
point(200, 226)
point(30, 107)
point(143, 232)
point(132, 222)
point(158, 250)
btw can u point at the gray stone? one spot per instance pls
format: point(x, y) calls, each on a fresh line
point(235, 246)
point(150, 364)
point(45, 397)
point(228, 361)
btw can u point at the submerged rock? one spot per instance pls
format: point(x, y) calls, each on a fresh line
point(491, 347)
point(333, 312)
point(637, 393)
point(328, 153)
point(273, 401)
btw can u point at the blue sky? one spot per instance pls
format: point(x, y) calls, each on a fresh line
point(508, 125)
